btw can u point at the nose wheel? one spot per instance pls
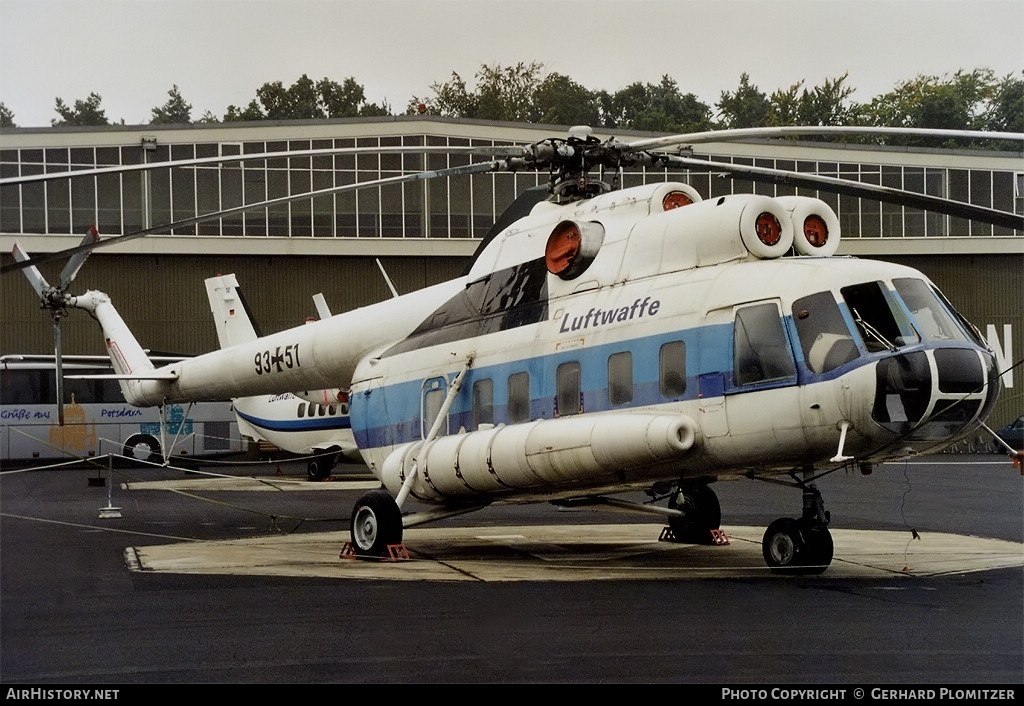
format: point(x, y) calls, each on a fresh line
point(800, 546)
point(795, 547)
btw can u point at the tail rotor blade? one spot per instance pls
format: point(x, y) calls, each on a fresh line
point(35, 277)
point(76, 261)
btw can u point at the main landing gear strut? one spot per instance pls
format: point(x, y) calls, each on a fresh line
point(800, 545)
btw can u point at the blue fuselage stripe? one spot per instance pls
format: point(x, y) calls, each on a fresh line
point(325, 423)
point(392, 415)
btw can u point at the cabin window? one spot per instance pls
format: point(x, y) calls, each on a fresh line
point(824, 337)
point(569, 395)
point(672, 369)
point(433, 400)
point(519, 397)
point(882, 324)
point(760, 348)
point(483, 402)
point(620, 378)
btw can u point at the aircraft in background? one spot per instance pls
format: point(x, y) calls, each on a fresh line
point(310, 423)
point(609, 340)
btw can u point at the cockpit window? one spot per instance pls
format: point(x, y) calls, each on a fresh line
point(825, 338)
point(760, 347)
point(932, 320)
point(881, 323)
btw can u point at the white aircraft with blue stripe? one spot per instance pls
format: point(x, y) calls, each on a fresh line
point(605, 341)
point(310, 423)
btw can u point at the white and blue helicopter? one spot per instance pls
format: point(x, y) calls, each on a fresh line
point(606, 341)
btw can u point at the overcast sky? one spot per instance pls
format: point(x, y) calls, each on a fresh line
point(218, 52)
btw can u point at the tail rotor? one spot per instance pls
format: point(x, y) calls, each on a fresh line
point(56, 300)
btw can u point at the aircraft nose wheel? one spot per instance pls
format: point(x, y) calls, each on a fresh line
point(797, 547)
point(376, 524)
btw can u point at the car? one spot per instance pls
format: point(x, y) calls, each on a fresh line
point(1012, 434)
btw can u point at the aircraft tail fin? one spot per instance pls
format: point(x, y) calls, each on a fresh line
point(230, 311)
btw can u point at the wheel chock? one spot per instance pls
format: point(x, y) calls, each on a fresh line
point(398, 552)
point(719, 537)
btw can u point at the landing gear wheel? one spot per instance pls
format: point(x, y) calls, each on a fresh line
point(376, 523)
point(795, 547)
point(142, 447)
point(817, 550)
point(781, 546)
point(702, 513)
point(320, 468)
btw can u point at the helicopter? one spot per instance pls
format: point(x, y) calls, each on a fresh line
point(606, 341)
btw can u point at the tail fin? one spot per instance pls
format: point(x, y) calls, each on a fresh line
point(230, 311)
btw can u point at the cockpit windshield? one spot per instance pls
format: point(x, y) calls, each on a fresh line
point(931, 318)
point(882, 324)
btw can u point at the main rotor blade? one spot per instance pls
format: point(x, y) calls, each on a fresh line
point(200, 161)
point(858, 189)
point(796, 131)
point(418, 176)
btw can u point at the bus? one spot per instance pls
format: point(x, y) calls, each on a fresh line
point(97, 420)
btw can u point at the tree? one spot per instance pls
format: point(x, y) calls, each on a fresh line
point(253, 111)
point(558, 100)
point(307, 100)
point(658, 107)
point(1005, 111)
point(747, 107)
point(6, 116)
point(827, 104)
point(85, 112)
point(502, 93)
point(507, 93)
point(174, 111)
point(954, 103)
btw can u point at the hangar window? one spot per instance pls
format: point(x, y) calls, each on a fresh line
point(620, 378)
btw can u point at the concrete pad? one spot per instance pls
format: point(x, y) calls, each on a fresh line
point(602, 552)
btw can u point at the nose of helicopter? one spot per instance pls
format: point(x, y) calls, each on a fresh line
point(934, 395)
